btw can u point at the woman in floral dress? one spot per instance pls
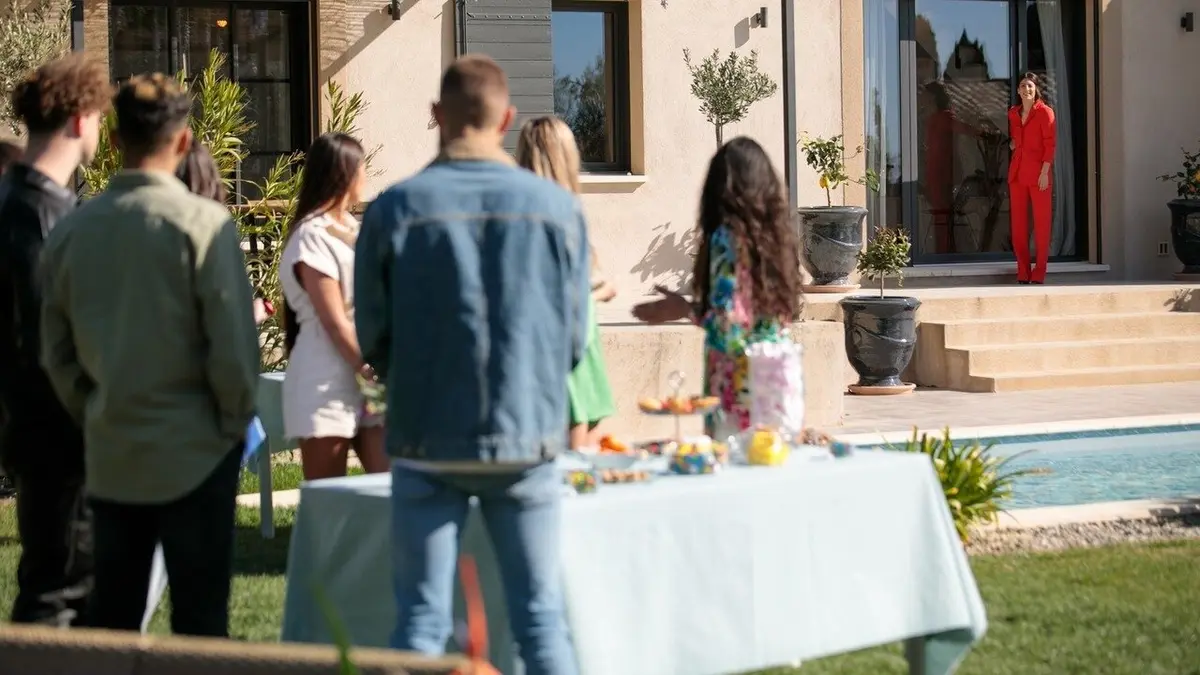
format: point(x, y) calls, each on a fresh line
point(746, 279)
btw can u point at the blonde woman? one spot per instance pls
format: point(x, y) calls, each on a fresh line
point(547, 147)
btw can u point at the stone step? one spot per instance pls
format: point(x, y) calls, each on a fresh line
point(985, 332)
point(1022, 302)
point(1088, 377)
point(993, 360)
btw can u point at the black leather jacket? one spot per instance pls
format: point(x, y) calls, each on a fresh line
point(35, 430)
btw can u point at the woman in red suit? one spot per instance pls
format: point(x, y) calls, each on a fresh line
point(1031, 126)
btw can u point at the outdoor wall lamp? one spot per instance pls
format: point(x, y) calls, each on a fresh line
point(1188, 22)
point(760, 19)
point(393, 9)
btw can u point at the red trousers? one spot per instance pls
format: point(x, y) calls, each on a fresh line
point(1020, 197)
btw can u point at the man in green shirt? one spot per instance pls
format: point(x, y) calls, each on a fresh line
point(149, 339)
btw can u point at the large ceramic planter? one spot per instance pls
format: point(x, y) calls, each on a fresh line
point(881, 334)
point(1185, 233)
point(831, 236)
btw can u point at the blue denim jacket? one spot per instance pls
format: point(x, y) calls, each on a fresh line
point(470, 289)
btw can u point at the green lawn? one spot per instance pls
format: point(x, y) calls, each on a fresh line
point(1113, 611)
point(284, 476)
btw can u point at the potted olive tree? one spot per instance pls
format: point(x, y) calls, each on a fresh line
point(727, 87)
point(832, 236)
point(881, 330)
point(1185, 213)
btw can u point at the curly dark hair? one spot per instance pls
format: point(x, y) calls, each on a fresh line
point(743, 192)
point(150, 110)
point(59, 90)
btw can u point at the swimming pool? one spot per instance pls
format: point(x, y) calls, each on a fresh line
point(1103, 465)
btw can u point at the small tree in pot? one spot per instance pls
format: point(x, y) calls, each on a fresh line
point(727, 87)
point(832, 235)
point(881, 331)
point(1185, 213)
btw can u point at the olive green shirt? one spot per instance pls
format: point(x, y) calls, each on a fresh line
point(148, 336)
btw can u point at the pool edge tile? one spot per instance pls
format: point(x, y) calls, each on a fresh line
point(1052, 430)
point(1100, 512)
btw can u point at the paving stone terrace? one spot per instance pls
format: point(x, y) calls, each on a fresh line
point(931, 409)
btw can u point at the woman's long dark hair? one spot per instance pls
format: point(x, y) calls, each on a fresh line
point(199, 172)
point(330, 168)
point(743, 192)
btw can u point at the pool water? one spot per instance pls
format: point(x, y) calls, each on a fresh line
point(1103, 465)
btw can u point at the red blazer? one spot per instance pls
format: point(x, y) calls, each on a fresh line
point(1033, 143)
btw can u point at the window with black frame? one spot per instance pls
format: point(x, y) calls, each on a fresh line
point(266, 50)
point(591, 79)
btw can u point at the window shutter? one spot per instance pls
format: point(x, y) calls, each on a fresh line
point(516, 33)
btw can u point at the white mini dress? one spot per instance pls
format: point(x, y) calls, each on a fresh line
point(321, 396)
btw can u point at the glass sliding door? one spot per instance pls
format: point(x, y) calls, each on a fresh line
point(940, 77)
point(266, 49)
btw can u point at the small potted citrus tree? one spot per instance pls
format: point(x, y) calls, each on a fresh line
point(881, 330)
point(832, 236)
point(1185, 212)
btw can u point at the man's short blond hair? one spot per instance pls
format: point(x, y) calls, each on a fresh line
point(474, 92)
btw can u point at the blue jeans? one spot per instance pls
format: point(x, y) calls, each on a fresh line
point(522, 513)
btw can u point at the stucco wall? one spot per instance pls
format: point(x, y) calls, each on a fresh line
point(641, 230)
point(1149, 100)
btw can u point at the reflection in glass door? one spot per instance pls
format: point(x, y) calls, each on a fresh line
point(964, 69)
point(940, 77)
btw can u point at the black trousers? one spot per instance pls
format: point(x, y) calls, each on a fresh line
point(54, 575)
point(196, 532)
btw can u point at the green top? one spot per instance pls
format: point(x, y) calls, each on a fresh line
point(148, 335)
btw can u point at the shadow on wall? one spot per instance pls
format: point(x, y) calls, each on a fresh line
point(449, 34)
point(338, 37)
point(741, 33)
point(1184, 300)
point(669, 258)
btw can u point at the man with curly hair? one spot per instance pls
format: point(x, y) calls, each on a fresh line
point(60, 104)
point(148, 337)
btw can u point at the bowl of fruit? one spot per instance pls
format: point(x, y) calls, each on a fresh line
point(679, 405)
point(615, 455)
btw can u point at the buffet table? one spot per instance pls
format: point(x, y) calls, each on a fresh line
point(751, 568)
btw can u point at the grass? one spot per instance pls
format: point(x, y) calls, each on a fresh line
point(1122, 610)
point(284, 476)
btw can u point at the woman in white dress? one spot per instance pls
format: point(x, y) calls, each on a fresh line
point(323, 405)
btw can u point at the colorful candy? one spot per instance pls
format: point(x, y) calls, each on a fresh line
point(694, 463)
point(582, 481)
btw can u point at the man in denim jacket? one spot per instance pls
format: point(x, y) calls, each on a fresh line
point(471, 288)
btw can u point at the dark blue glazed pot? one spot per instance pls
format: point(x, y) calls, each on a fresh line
point(881, 334)
point(831, 236)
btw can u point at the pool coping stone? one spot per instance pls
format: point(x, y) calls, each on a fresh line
point(874, 438)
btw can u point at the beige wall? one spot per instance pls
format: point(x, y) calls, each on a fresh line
point(1149, 102)
point(640, 228)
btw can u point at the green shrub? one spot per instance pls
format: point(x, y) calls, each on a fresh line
point(885, 256)
point(974, 481)
point(31, 33)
